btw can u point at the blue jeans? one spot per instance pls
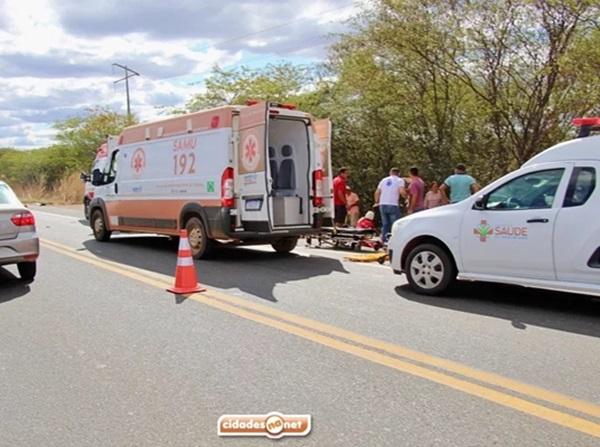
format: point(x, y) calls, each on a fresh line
point(389, 215)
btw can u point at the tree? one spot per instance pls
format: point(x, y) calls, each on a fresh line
point(433, 83)
point(514, 55)
point(79, 137)
point(276, 82)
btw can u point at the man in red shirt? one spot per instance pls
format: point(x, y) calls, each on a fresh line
point(339, 196)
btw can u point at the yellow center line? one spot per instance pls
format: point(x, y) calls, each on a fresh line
point(217, 300)
point(448, 365)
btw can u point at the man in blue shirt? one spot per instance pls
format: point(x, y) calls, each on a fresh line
point(461, 184)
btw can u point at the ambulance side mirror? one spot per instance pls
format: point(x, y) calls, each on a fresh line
point(480, 203)
point(96, 177)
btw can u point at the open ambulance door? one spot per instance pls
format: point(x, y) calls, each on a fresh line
point(322, 132)
point(252, 168)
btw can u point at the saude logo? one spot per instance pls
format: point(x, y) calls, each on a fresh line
point(485, 232)
point(272, 425)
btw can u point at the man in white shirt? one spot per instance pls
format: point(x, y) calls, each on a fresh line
point(387, 196)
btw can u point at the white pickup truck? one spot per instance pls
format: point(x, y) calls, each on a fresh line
point(535, 227)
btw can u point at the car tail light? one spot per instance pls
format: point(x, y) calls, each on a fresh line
point(90, 194)
point(318, 187)
point(227, 193)
point(24, 219)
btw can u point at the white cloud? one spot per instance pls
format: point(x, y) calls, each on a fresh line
point(56, 55)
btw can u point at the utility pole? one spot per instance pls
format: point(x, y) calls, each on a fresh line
point(129, 73)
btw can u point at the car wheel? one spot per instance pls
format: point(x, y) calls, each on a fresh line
point(27, 270)
point(284, 245)
point(202, 246)
point(429, 269)
point(99, 227)
point(86, 209)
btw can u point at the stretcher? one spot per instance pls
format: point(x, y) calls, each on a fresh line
point(347, 238)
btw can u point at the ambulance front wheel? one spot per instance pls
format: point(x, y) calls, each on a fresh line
point(284, 245)
point(101, 233)
point(202, 246)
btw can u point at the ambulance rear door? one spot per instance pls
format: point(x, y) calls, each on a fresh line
point(322, 133)
point(253, 179)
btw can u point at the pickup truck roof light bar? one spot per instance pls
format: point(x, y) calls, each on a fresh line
point(587, 125)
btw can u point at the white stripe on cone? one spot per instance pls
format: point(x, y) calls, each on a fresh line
point(185, 262)
point(184, 244)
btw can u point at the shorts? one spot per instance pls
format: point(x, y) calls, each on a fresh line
point(340, 214)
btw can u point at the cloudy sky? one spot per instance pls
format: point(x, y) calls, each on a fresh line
point(56, 56)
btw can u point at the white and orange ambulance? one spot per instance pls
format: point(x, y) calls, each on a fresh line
point(259, 173)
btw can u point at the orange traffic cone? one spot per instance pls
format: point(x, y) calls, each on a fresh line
point(186, 280)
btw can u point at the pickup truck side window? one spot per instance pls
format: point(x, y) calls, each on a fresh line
point(535, 190)
point(581, 186)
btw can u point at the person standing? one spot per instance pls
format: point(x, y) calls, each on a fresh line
point(352, 207)
point(387, 197)
point(435, 197)
point(416, 191)
point(339, 196)
point(461, 184)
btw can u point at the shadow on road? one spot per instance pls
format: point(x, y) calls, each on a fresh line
point(11, 287)
point(519, 305)
point(253, 271)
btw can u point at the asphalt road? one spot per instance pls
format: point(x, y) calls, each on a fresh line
point(96, 353)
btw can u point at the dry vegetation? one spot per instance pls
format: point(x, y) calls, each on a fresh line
point(67, 191)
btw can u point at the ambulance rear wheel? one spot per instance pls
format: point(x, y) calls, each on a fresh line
point(202, 246)
point(101, 233)
point(284, 245)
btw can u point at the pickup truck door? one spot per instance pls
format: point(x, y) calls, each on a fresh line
point(509, 231)
point(577, 229)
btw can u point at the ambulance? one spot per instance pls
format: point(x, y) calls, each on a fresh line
point(98, 165)
point(536, 227)
point(253, 174)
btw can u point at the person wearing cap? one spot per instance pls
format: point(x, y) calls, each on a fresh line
point(461, 184)
point(367, 222)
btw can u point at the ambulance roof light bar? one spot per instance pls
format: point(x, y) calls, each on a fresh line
point(586, 125)
point(286, 105)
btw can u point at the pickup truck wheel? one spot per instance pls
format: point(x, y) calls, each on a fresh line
point(202, 246)
point(27, 270)
point(284, 245)
point(430, 269)
point(98, 225)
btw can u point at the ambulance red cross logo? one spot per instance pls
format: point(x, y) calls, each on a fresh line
point(250, 153)
point(138, 161)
